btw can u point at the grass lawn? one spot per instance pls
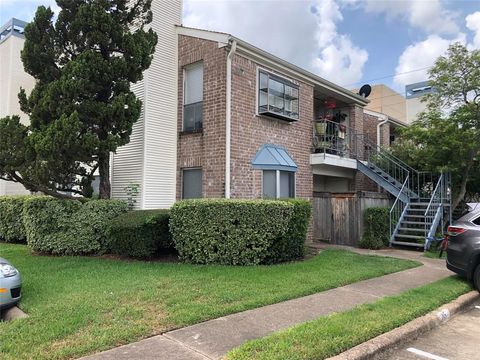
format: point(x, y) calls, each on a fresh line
point(331, 335)
point(433, 254)
point(80, 305)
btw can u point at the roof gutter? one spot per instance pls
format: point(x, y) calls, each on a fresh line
point(228, 118)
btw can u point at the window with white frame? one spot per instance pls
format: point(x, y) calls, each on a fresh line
point(192, 183)
point(193, 97)
point(277, 97)
point(278, 184)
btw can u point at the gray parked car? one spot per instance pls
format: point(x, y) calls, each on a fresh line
point(463, 251)
point(10, 284)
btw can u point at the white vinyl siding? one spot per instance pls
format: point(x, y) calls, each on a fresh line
point(160, 160)
point(127, 163)
point(150, 159)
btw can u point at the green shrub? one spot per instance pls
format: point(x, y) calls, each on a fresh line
point(11, 219)
point(69, 227)
point(291, 246)
point(140, 233)
point(235, 232)
point(377, 228)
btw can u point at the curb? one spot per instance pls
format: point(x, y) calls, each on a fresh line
point(380, 344)
point(12, 314)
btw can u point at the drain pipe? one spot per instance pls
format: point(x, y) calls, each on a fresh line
point(384, 121)
point(228, 118)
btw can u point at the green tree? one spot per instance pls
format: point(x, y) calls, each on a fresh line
point(446, 136)
point(81, 108)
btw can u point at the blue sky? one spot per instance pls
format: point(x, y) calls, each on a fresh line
point(349, 42)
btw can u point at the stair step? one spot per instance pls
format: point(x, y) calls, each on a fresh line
point(416, 210)
point(412, 229)
point(414, 216)
point(410, 236)
point(403, 243)
point(414, 222)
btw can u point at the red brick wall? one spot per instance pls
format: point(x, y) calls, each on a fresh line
point(251, 131)
point(370, 127)
point(205, 149)
point(385, 135)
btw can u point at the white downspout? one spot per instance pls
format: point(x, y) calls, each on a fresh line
point(228, 118)
point(384, 121)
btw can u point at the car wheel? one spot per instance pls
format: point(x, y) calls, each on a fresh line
point(476, 278)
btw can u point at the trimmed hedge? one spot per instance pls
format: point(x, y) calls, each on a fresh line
point(69, 227)
point(377, 228)
point(141, 233)
point(291, 246)
point(11, 219)
point(238, 232)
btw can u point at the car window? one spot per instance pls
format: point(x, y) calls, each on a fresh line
point(476, 221)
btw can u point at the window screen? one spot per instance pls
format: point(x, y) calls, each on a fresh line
point(192, 184)
point(269, 184)
point(287, 184)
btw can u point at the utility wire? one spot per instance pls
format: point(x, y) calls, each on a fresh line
point(387, 76)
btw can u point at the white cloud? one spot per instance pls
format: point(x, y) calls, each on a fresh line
point(421, 55)
point(430, 16)
point(337, 59)
point(415, 60)
point(302, 32)
point(473, 24)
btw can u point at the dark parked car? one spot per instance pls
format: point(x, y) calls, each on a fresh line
point(463, 252)
point(10, 284)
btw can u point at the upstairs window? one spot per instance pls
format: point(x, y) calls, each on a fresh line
point(277, 97)
point(193, 97)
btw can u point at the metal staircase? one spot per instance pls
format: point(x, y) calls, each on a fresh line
point(422, 200)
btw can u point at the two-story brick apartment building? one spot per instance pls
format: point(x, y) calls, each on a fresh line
point(248, 131)
point(243, 124)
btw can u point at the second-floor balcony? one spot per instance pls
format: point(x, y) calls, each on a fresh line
point(336, 144)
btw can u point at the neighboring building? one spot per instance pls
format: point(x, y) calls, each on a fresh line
point(414, 94)
point(12, 78)
point(387, 101)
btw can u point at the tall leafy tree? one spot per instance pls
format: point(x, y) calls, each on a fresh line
point(446, 137)
point(81, 108)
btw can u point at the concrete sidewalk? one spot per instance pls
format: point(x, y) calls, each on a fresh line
point(213, 339)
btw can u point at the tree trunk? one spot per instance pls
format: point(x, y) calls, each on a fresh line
point(463, 184)
point(104, 169)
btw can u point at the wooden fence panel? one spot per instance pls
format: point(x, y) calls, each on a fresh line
point(322, 218)
point(338, 218)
